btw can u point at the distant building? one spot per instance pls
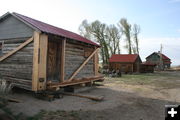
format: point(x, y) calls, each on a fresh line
point(127, 63)
point(147, 67)
point(161, 60)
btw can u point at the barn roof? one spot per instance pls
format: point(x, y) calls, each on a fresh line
point(50, 29)
point(124, 58)
point(164, 57)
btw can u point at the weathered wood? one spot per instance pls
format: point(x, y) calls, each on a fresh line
point(35, 61)
point(62, 64)
point(43, 61)
point(82, 65)
point(75, 82)
point(95, 98)
point(19, 40)
point(96, 64)
point(17, 49)
point(52, 61)
point(18, 74)
point(11, 27)
point(26, 87)
point(75, 56)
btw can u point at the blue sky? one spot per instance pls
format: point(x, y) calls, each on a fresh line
point(159, 19)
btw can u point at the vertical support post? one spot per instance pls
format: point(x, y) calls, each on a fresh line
point(43, 47)
point(35, 62)
point(96, 61)
point(62, 65)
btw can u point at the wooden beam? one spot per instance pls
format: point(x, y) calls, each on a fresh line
point(35, 61)
point(62, 65)
point(75, 82)
point(43, 47)
point(16, 50)
point(96, 61)
point(83, 64)
point(95, 98)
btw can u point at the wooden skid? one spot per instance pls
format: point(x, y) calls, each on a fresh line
point(76, 81)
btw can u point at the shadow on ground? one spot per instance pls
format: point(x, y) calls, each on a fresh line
point(117, 105)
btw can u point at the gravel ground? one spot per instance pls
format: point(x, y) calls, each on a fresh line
point(122, 102)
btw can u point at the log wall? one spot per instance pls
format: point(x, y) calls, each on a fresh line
point(17, 68)
point(75, 55)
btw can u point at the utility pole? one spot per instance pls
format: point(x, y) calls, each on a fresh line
point(161, 60)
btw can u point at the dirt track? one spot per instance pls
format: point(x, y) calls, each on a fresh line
point(123, 101)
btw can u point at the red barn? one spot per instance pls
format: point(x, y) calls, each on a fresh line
point(127, 63)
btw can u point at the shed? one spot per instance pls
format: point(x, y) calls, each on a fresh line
point(147, 67)
point(37, 56)
point(127, 63)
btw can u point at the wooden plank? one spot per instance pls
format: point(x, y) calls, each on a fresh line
point(35, 61)
point(83, 64)
point(62, 65)
point(75, 82)
point(43, 46)
point(95, 98)
point(16, 50)
point(96, 66)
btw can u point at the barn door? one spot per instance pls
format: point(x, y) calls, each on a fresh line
point(54, 61)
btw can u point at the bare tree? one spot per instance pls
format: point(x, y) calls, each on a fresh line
point(84, 29)
point(136, 31)
point(109, 37)
point(113, 39)
point(126, 29)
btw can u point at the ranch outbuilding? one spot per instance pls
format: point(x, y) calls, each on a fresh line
point(37, 56)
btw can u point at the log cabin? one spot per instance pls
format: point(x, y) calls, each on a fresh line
point(126, 63)
point(37, 56)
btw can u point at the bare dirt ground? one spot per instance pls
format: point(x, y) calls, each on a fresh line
point(130, 97)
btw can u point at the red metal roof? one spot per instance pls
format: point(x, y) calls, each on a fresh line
point(165, 57)
point(126, 58)
point(46, 28)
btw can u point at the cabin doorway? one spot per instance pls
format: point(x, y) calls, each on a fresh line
point(54, 60)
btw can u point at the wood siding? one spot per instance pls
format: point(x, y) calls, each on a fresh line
point(13, 28)
point(75, 55)
point(17, 68)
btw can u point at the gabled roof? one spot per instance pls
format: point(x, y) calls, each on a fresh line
point(124, 58)
point(164, 57)
point(46, 28)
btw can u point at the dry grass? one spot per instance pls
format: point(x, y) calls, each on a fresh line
point(157, 79)
point(5, 88)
